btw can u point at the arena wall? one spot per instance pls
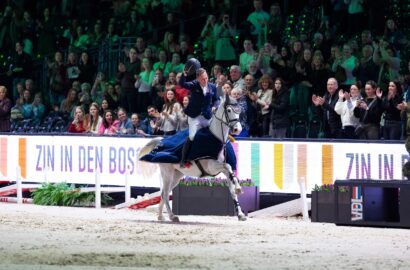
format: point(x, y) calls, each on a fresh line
point(275, 166)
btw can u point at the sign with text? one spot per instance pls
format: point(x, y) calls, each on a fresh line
point(276, 166)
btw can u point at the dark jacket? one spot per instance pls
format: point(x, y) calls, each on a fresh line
point(332, 120)
point(126, 79)
point(280, 110)
point(5, 111)
point(390, 108)
point(25, 62)
point(374, 112)
point(199, 103)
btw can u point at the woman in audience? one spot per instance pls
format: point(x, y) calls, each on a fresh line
point(348, 62)
point(318, 75)
point(68, 104)
point(162, 61)
point(227, 88)
point(137, 127)
point(104, 107)
point(264, 57)
point(158, 88)
point(38, 109)
point(111, 97)
point(385, 56)
point(175, 65)
point(94, 119)
point(168, 123)
point(392, 105)
point(370, 112)
point(86, 68)
point(208, 38)
point(27, 107)
point(216, 71)
point(73, 71)
point(57, 73)
point(280, 110)
point(143, 83)
point(264, 101)
point(169, 43)
point(99, 87)
point(5, 108)
point(224, 33)
point(124, 123)
point(237, 94)
point(109, 125)
point(345, 108)
point(182, 117)
point(79, 124)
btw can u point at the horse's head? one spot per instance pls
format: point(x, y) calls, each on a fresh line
point(228, 113)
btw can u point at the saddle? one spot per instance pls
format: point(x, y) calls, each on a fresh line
point(204, 146)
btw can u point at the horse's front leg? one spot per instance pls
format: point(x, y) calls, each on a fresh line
point(170, 178)
point(234, 180)
point(235, 189)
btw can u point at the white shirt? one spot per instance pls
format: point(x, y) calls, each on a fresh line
point(205, 90)
point(345, 110)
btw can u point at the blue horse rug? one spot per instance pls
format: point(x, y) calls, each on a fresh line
point(205, 145)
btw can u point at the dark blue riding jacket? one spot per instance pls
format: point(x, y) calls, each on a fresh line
point(200, 103)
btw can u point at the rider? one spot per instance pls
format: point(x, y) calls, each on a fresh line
point(204, 100)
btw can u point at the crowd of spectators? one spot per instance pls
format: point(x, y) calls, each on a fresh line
point(342, 77)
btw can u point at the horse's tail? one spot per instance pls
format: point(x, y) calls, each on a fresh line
point(149, 147)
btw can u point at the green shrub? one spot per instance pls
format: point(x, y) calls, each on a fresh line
point(62, 194)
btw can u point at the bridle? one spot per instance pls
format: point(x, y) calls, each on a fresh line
point(226, 120)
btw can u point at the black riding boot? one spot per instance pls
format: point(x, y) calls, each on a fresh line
point(185, 151)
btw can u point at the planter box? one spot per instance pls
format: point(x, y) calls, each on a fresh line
point(217, 201)
point(323, 206)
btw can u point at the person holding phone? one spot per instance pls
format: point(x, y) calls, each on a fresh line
point(224, 47)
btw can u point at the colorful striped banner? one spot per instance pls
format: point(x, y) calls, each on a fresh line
point(302, 162)
point(278, 165)
point(288, 165)
point(327, 164)
point(23, 157)
point(255, 159)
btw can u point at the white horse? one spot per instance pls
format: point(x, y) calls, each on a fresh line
point(224, 120)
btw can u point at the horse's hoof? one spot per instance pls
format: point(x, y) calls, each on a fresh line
point(175, 219)
point(161, 218)
point(242, 218)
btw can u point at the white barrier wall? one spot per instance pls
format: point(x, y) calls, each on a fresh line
point(274, 165)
